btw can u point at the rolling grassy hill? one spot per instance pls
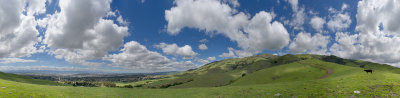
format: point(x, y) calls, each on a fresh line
point(221, 73)
point(257, 76)
point(25, 79)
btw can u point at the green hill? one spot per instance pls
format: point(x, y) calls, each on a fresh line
point(262, 69)
point(223, 72)
point(257, 76)
point(25, 79)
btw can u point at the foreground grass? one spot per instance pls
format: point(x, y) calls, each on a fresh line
point(342, 83)
point(368, 85)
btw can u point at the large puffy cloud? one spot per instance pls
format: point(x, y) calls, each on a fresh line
point(253, 36)
point(137, 56)
point(378, 38)
point(265, 34)
point(344, 46)
point(36, 7)
point(305, 43)
point(206, 15)
point(79, 31)
point(371, 14)
point(18, 34)
point(185, 52)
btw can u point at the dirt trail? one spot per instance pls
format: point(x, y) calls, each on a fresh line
point(328, 73)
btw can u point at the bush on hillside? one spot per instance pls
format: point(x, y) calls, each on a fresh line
point(140, 85)
point(109, 84)
point(334, 59)
point(128, 86)
point(83, 83)
point(288, 58)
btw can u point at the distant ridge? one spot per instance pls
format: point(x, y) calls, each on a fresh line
point(230, 71)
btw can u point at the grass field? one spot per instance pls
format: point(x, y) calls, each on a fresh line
point(299, 78)
point(25, 79)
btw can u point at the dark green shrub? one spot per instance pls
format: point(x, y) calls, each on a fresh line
point(109, 84)
point(128, 86)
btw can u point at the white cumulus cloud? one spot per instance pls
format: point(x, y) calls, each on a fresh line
point(185, 52)
point(377, 39)
point(18, 33)
point(212, 16)
point(136, 56)
point(79, 31)
point(203, 47)
point(340, 19)
point(317, 23)
point(305, 43)
point(298, 16)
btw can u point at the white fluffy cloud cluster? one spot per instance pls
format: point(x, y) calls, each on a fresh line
point(305, 43)
point(79, 31)
point(298, 15)
point(340, 19)
point(185, 52)
point(318, 44)
point(213, 16)
point(134, 55)
point(83, 30)
point(317, 23)
point(18, 34)
point(377, 39)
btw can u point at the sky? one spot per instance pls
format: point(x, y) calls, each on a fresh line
point(136, 36)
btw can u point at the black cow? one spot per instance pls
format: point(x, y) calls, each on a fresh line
point(368, 70)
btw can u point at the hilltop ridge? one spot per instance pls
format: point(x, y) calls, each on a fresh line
point(232, 71)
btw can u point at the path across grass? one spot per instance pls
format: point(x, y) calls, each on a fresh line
point(328, 71)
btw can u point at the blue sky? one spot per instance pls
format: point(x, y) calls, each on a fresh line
point(165, 35)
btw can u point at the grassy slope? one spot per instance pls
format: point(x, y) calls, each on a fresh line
point(342, 83)
point(25, 79)
point(288, 72)
point(223, 72)
point(344, 80)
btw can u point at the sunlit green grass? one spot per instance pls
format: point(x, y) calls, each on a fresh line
point(377, 84)
point(288, 72)
point(25, 79)
point(300, 79)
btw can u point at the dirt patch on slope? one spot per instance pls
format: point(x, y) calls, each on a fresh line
point(328, 71)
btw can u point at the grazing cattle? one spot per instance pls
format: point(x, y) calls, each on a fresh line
point(368, 70)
